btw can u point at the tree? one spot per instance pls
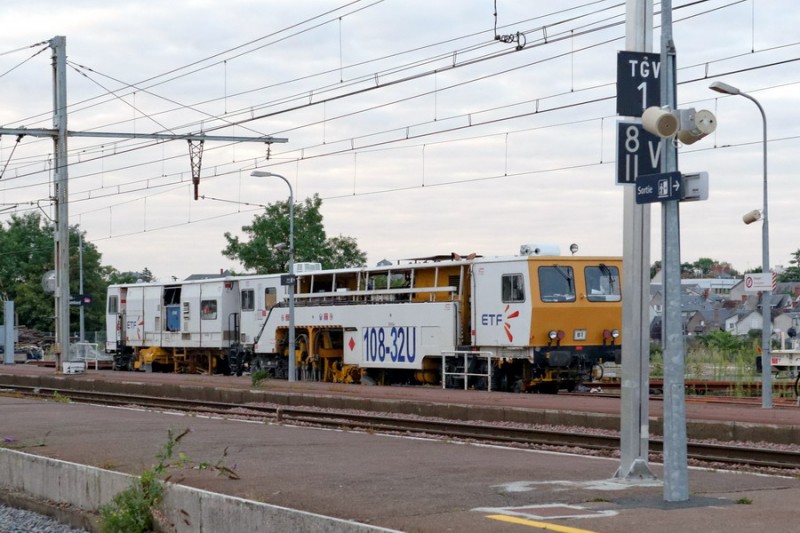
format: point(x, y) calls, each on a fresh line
point(792, 273)
point(27, 254)
point(705, 267)
point(311, 243)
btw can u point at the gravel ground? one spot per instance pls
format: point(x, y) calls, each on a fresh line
point(18, 521)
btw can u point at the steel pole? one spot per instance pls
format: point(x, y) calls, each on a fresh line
point(292, 369)
point(766, 296)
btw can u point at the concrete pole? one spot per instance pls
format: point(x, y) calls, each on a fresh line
point(60, 181)
point(635, 390)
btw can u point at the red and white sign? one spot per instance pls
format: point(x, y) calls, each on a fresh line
point(760, 282)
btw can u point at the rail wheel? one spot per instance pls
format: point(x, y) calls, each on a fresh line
point(597, 372)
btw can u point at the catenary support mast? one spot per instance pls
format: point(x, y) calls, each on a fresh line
point(59, 134)
point(634, 428)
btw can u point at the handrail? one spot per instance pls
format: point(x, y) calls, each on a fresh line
point(404, 290)
point(465, 374)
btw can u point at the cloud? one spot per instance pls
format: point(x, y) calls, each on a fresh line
point(483, 155)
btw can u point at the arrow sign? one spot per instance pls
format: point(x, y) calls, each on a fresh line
point(658, 188)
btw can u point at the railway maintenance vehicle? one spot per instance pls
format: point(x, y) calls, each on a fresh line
point(537, 321)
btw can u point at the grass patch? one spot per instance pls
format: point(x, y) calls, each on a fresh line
point(61, 398)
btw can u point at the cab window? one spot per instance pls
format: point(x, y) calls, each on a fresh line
point(556, 284)
point(248, 300)
point(513, 288)
point(208, 310)
point(602, 283)
point(113, 305)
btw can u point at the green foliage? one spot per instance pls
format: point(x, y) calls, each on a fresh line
point(311, 243)
point(258, 377)
point(723, 341)
point(792, 272)
point(705, 267)
point(656, 360)
point(57, 397)
point(26, 254)
point(131, 511)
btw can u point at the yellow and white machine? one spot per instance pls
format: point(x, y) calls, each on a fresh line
point(526, 322)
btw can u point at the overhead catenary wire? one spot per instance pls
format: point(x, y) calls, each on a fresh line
point(446, 130)
point(567, 33)
point(368, 77)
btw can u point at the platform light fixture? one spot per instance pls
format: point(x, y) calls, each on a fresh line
point(766, 296)
point(264, 174)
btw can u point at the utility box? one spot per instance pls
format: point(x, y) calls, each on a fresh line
point(694, 187)
point(73, 367)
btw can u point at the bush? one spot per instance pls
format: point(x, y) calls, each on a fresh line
point(131, 510)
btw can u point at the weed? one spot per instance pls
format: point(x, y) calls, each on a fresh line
point(259, 378)
point(61, 398)
point(132, 510)
point(744, 501)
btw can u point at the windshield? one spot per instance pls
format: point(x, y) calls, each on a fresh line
point(556, 284)
point(602, 283)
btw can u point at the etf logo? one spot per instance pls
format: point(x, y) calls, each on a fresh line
point(495, 319)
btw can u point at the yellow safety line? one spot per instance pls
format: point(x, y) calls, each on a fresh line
point(540, 525)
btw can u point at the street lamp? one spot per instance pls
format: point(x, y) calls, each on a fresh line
point(263, 174)
point(766, 297)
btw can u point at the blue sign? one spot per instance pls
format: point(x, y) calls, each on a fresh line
point(658, 188)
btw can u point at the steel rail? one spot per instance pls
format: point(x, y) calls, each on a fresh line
point(733, 454)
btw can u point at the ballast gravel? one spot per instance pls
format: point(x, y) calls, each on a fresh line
point(14, 520)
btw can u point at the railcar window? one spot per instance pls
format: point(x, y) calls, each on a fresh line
point(513, 288)
point(113, 305)
point(248, 300)
point(556, 284)
point(270, 297)
point(208, 310)
point(602, 283)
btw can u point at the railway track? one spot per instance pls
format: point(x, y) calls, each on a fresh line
point(608, 443)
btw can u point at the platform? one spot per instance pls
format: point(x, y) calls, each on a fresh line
point(406, 484)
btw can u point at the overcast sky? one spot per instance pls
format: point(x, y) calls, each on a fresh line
point(421, 133)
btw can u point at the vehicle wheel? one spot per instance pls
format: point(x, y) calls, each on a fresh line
point(597, 372)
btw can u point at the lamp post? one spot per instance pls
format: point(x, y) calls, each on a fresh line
point(263, 174)
point(766, 296)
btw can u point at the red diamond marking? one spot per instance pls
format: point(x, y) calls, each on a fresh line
point(351, 344)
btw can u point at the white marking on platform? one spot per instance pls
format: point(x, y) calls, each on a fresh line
point(601, 484)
